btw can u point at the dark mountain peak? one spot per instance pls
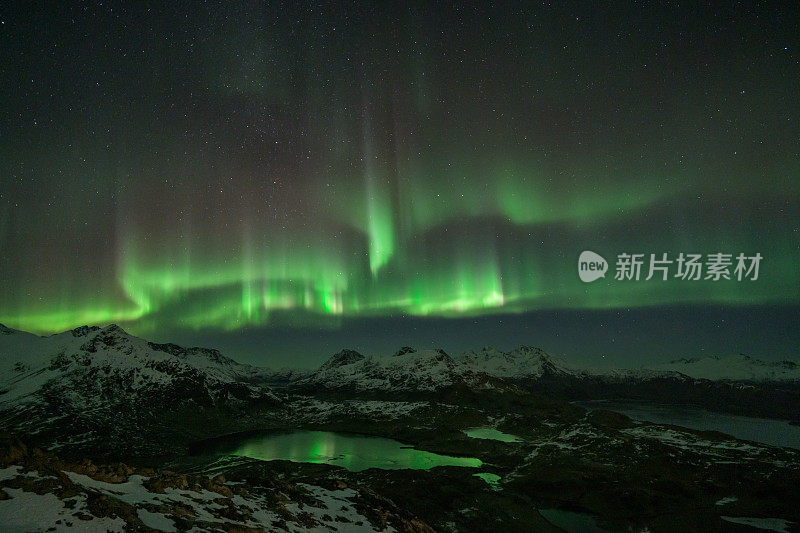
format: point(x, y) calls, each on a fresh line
point(4, 330)
point(532, 351)
point(345, 357)
point(183, 353)
point(82, 331)
point(440, 355)
point(111, 336)
point(212, 354)
point(168, 347)
point(723, 360)
point(487, 352)
point(528, 348)
point(114, 329)
point(404, 350)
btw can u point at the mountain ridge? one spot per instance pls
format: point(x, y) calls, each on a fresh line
point(522, 362)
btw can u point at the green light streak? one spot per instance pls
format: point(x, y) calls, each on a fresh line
point(381, 232)
point(439, 245)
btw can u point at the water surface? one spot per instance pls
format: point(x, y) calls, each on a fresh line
point(493, 480)
point(353, 452)
point(764, 430)
point(492, 434)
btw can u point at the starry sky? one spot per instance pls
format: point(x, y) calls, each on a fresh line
point(281, 180)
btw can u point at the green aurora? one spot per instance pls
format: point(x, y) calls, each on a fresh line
point(267, 174)
point(493, 258)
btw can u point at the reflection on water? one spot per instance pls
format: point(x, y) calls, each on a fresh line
point(492, 434)
point(773, 432)
point(353, 452)
point(493, 480)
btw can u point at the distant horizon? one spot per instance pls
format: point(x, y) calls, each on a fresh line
point(596, 339)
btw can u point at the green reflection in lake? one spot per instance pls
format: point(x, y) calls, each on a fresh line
point(492, 434)
point(353, 452)
point(493, 480)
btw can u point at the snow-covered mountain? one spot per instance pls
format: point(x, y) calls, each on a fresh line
point(281, 377)
point(634, 374)
point(91, 366)
point(734, 368)
point(430, 370)
point(731, 368)
point(89, 369)
point(343, 358)
point(525, 362)
point(532, 363)
point(408, 370)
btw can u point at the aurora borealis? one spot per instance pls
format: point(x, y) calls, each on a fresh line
point(186, 166)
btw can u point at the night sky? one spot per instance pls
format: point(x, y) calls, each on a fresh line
point(282, 180)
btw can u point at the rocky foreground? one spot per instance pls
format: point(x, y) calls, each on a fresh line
point(39, 492)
